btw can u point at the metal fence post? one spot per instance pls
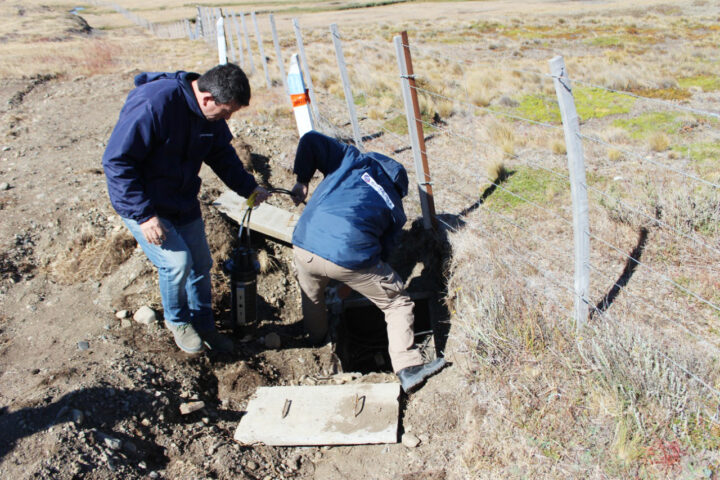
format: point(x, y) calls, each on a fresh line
point(308, 79)
point(239, 39)
point(230, 41)
point(578, 188)
point(247, 43)
point(346, 85)
point(261, 50)
point(415, 130)
point(278, 53)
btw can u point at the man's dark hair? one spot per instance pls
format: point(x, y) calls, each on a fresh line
point(227, 84)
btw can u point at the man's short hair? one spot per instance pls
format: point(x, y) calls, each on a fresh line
point(227, 84)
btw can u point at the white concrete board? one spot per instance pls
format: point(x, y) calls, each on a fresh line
point(267, 219)
point(351, 414)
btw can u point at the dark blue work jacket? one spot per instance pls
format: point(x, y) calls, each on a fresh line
point(155, 152)
point(356, 213)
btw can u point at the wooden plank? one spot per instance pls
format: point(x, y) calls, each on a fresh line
point(352, 414)
point(266, 219)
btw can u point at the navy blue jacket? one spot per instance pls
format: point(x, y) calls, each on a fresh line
point(155, 152)
point(355, 214)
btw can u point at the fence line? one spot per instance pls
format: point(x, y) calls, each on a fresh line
point(528, 257)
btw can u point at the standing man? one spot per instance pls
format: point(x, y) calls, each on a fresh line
point(169, 125)
point(345, 234)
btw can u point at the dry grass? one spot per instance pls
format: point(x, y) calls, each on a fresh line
point(92, 257)
point(659, 142)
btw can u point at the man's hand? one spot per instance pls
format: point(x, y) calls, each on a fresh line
point(260, 195)
point(298, 193)
point(153, 230)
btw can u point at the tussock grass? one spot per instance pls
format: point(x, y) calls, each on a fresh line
point(92, 257)
point(610, 392)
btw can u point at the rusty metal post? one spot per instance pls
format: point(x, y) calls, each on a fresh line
point(415, 129)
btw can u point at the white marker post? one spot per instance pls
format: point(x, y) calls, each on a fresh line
point(299, 97)
point(222, 48)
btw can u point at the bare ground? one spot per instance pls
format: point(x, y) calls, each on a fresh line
point(68, 265)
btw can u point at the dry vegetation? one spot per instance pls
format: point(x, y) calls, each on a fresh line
point(635, 393)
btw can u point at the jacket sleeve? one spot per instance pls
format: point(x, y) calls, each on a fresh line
point(227, 165)
point(317, 152)
point(130, 143)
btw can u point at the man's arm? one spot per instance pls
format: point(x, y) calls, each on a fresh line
point(226, 165)
point(317, 152)
point(129, 144)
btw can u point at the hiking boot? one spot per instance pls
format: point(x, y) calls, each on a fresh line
point(186, 338)
point(412, 377)
point(217, 342)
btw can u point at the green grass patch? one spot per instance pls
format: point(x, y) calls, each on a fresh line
point(705, 154)
point(533, 185)
point(642, 126)
point(709, 83)
point(360, 100)
point(589, 102)
point(398, 124)
point(606, 41)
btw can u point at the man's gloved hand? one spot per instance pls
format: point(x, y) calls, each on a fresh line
point(299, 193)
point(153, 230)
point(259, 195)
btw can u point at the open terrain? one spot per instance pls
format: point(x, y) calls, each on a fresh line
point(85, 394)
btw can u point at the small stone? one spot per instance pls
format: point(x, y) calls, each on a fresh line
point(122, 314)
point(251, 465)
point(113, 443)
point(4, 186)
point(145, 422)
point(125, 323)
point(83, 345)
point(189, 407)
point(410, 440)
point(272, 340)
point(130, 448)
point(153, 474)
point(78, 416)
point(145, 315)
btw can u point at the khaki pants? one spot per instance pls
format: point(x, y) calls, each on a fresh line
point(379, 284)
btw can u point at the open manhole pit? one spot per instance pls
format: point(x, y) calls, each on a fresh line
point(360, 333)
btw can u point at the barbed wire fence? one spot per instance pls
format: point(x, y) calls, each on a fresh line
point(622, 207)
point(629, 282)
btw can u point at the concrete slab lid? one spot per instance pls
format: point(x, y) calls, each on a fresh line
point(267, 219)
point(351, 414)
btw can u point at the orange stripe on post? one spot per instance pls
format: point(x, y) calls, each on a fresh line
point(299, 99)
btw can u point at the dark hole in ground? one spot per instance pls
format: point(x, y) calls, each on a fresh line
point(361, 334)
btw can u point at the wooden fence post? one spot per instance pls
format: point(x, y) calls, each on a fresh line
point(415, 130)
point(346, 85)
point(578, 188)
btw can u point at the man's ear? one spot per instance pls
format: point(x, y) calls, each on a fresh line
point(205, 97)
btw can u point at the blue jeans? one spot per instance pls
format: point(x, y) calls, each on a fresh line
point(183, 262)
